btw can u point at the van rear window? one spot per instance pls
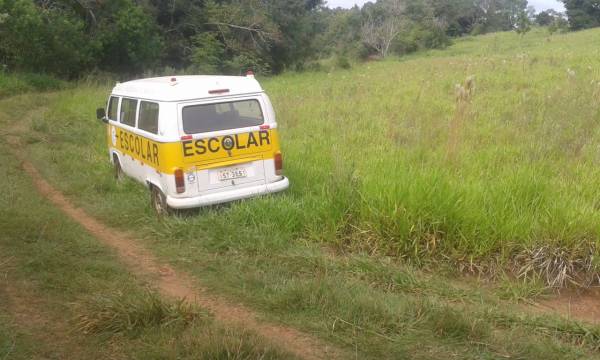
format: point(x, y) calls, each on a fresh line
point(221, 116)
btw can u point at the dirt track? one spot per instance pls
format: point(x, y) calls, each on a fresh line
point(174, 284)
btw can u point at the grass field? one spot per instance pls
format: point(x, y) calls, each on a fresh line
point(385, 160)
point(400, 179)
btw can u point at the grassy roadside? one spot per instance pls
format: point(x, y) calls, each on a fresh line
point(62, 295)
point(289, 255)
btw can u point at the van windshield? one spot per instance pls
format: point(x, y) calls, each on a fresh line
point(221, 116)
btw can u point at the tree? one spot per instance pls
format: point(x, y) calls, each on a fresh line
point(298, 28)
point(583, 14)
point(128, 38)
point(382, 24)
point(246, 32)
point(340, 34)
point(207, 53)
point(559, 23)
point(179, 22)
point(523, 24)
point(47, 39)
point(544, 18)
point(460, 16)
point(530, 11)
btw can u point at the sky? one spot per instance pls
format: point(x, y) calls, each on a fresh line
point(538, 4)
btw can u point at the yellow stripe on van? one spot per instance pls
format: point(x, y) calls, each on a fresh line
point(228, 146)
point(204, 153)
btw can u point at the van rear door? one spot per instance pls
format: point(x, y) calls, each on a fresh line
point(226, 141)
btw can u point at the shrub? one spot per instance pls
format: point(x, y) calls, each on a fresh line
point(342, 62)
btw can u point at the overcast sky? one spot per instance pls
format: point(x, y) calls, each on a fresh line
point(538, 4)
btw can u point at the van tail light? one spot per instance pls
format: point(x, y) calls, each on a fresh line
point(179, 181)
point(278, 163)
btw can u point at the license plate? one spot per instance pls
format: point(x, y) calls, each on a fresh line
point(230, 174)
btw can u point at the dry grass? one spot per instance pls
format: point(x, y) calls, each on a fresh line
point(464, 94)
point(558, 266)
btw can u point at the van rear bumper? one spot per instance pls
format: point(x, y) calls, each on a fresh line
point(226, 196)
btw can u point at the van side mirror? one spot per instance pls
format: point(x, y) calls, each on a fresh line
point(101, 114)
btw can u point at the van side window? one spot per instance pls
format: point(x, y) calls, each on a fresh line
point(128, 108)
point(148, 120)
point(113, 107)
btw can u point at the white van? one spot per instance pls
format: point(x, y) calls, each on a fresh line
point(195, 140)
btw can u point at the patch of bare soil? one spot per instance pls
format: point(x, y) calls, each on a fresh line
point(581, 305)
point(176, 284)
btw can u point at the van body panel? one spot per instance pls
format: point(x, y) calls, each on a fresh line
point(226, 196)
point(168, 156)
point(240, 143)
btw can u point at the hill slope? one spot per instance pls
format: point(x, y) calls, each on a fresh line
point(396, 163)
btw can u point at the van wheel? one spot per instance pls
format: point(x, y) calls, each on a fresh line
point(158, 201)
point(119, 175)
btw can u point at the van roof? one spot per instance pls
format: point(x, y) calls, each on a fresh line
point(189, 87)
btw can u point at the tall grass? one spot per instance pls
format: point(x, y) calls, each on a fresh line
point(514, 171)
point(19, 83)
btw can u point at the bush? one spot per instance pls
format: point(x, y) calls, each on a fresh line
point(207, 53)
point(421, 37)
point(314, 66)
point(478, 29)
point(342, 62)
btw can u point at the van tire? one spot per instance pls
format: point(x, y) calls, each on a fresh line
point(158, 200)
point(119, 175)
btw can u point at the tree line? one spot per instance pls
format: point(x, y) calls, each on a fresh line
point(69, 38)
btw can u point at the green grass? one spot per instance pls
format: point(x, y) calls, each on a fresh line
point(12, 84)
point(388, 179)
point(368, 151)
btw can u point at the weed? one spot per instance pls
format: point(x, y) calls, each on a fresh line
point(571, 331)
point(521, 289)
point(128, 312)
point(464, 94)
